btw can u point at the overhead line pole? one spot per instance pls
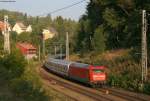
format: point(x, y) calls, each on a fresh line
point(39, 53)
point(6, 35)
point(55, 50)
point(67, 46)
point(144, 47)
point(43, 46)
point(61, 51)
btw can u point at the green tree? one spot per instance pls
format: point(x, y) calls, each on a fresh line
point(14, 64)
point(99, 39)
point(24, 37)
point(120, 19)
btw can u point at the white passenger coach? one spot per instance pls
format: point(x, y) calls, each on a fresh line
point(58, 66)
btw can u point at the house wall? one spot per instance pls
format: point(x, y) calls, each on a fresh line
point(17, 29)
point(29, 29)
point(30, 56)
point(28, 53)
point(47, 34)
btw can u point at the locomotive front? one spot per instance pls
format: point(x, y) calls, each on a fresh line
point(97, 75)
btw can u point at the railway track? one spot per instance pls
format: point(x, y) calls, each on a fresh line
point(130, 96)
point(95, 94)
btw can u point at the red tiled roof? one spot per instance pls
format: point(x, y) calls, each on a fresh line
point(1, 25)
point(26, 45)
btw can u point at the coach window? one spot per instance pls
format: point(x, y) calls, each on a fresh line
point(65, 68)
point(60, 68)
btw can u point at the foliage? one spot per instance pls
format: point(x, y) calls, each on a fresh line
point(25, 89)
point(14, 81)
point(13, 65)
point(1, 42)
point(99, 39)
point(120, 21)
point(84, 42)
point(147, 88)
point(13, 36)
point(13, 16)
point(63, 26)
point(24, 37)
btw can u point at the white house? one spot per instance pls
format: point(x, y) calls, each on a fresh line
point(29, 29)
point(20, 27)
point(49, 33)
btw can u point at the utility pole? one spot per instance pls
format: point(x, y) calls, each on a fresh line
point(43, 39)
point(55, 50)
point(144, 47)
point(67, 46)
point(39, 53)
point(28, 56)
point(60, 51)
point(6, 35)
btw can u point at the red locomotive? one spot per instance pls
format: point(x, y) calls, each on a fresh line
point(85, 73)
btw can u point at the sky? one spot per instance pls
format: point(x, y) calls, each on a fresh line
point(43, 7)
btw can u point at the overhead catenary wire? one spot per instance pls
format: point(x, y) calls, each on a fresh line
point(7, 1)
point(63, 8)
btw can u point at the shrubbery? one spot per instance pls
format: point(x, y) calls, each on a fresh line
point(25, 89)
point(126, 73)
point(147, 88)
point(12, 69)
point(13, 65)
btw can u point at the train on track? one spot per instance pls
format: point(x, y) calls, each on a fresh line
point(94, 76)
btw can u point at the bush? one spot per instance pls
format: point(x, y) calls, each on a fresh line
point(12, 74)
point(147, 88)
point(4, 98)
point(24, 89)
point(3, 74)
point(13, 65)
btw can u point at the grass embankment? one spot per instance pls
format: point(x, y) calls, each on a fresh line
point(123, 70)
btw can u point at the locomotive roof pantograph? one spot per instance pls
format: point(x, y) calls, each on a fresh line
point(80, 65)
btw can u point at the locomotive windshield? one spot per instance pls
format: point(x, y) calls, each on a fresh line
point(98, 71)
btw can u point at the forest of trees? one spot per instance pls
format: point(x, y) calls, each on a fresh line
point(112, 24)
